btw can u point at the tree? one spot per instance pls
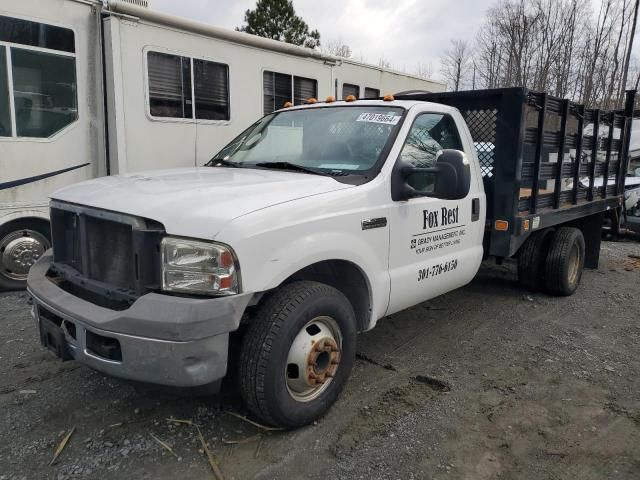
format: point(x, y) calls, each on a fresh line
point(277, 19)
point(384, 63)
point(425, 70)
point(579, 49)
point(337, 48)
point(627, 59)
point(455, 64)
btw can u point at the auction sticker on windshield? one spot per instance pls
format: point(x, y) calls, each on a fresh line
point(379, 118)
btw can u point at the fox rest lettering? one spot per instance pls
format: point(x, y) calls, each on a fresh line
point(441, 229)
point(444, 218)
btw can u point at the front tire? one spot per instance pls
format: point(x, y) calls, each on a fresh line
point(297, 354)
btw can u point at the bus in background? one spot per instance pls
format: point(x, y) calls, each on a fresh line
point(90, 89)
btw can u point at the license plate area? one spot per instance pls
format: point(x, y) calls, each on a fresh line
point(53, 339)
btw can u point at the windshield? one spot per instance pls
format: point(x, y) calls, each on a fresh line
point(333, 140)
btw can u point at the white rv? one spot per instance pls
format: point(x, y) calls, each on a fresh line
point(90, 89)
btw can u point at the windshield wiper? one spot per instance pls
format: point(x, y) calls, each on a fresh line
point(216, 162)
point(288, 166)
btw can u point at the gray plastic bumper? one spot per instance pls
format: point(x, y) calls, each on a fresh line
point(163, 339)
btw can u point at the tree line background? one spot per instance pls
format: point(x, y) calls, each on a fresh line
point(568, 48)
point(578, 49)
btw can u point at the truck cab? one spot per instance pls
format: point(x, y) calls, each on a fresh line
point(314, 223)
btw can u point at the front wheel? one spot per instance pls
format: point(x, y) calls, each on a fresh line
point(297, 354)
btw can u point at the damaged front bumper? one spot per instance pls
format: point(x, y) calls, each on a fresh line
point(161, 339)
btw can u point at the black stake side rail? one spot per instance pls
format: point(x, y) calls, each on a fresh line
point(541, 158)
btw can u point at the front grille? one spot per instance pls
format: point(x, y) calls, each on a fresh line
point(110, 256)
point(110, 252)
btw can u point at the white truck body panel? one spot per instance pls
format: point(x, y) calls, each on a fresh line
point(281, 222)
point(197, 201)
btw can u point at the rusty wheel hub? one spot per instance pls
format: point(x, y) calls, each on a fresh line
point(314, 358)
point(323, 361)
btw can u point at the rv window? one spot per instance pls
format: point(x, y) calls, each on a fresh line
point(211, 86)
point(169, 85)
point(5, 113)
point(303, 89)
point(371, 92)
point(348, 89)
point(24, 32)
point(277, 90)
point(44, 92)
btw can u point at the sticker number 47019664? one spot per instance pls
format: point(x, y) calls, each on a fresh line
point(437, 269)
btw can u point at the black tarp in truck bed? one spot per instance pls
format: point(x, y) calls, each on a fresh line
point(518, 134)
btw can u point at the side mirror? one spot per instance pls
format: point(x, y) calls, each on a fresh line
point(449, 179)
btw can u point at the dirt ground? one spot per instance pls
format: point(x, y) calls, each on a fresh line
point(487, 382)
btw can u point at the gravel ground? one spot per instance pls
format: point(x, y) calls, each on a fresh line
point(485, 382)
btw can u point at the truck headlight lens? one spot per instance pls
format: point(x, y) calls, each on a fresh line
point(191, 266)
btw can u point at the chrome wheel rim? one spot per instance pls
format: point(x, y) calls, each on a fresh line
point(19, 250)
point(574, 264)
point(313, 359)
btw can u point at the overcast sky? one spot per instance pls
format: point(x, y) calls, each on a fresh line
point(404, 32)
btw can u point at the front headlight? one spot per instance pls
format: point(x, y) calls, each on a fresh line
point(191, 266)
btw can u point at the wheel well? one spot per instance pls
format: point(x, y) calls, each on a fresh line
point(345, 277)
point(24, 222)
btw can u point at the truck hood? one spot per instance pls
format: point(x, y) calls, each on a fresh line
point(196, 202)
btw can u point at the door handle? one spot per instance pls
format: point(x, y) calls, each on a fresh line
point(475, 209)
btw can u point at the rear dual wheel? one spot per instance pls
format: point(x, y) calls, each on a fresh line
point(297, 354)
point(564, 262)
point(552, 260)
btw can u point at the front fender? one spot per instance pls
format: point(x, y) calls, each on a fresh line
point(269, 254)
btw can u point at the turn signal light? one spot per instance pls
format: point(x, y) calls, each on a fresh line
point(388, 98)
point(501, 225)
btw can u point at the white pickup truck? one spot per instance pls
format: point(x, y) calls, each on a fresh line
point(312, 225)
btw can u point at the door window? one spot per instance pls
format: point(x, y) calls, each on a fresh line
point(35, 34)
point(38, 87)
point(429, 134)
point(44, 92)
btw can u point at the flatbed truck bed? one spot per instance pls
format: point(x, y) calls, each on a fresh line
point(518, 134)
